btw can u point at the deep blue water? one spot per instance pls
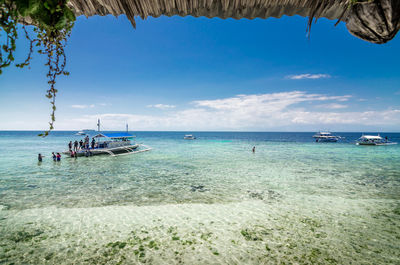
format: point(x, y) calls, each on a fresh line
point(301, 137)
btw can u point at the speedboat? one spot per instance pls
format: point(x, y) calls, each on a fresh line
point(325, 137)
point(373, 140)
point(189, 137)
point(109, 143)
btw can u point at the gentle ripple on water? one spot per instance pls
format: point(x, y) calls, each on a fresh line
point(204, 202)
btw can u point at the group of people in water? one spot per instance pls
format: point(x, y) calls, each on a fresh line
point(56, 157)
point(81, 145)
point(73, 148)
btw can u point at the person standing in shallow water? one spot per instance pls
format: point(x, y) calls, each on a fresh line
point(87, 142)
point(70, 146)
point(254, 149)
point(40, 157)
point(76, 146)
point(54, 157)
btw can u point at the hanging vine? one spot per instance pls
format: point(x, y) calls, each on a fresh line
point(52, 21)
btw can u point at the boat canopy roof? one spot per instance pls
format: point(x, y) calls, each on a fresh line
point(371, 137)
point(114, 135)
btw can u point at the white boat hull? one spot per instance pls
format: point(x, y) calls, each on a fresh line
point(363, 143)
point(326, 140)
point(105, 151)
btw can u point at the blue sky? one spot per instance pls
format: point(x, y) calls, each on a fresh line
point(211, 74)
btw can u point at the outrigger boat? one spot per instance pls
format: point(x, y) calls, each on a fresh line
point(373, 140)
point(112, 144)
point(325, 137)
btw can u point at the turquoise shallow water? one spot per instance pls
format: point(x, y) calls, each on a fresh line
point(201, 202)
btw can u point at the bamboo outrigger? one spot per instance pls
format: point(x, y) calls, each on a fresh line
point(113, 144)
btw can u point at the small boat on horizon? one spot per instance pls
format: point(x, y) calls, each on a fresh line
point(189, 137)
point(373, 140)
point(326, 137)
point(84, 132)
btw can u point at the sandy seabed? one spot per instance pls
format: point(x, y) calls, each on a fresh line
point(263, 230)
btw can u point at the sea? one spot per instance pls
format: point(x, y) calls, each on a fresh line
point(204, 201)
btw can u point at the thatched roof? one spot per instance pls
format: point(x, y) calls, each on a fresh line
point(376, 21)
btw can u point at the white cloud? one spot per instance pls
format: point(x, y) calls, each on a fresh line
point(308, 76)
point(249, 112)
point(161, 106)
point(332, 106)
point(82, 106)
point(274, 101)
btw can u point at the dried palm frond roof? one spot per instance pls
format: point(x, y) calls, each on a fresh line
point(376, 21)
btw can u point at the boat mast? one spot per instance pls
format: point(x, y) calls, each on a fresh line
point(127, 127)
point(98, 125)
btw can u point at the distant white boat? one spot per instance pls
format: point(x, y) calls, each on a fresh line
point(85, 132)
point(325, 137)
point(373, 140)
point(189, 137)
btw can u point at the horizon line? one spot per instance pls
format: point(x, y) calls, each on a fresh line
point(221, 131)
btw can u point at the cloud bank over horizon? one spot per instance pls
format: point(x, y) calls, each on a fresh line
point(294, 110)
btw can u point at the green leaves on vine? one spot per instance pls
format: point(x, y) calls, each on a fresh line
point(53, 22)
point(8, 24)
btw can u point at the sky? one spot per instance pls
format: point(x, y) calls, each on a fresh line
point(201, 74)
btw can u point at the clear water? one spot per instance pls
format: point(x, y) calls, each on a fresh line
point(207, 201)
